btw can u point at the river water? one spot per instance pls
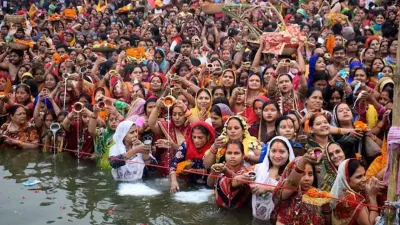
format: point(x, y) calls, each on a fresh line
point(73, 192)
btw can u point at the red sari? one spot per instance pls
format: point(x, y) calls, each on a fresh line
point(175, 134)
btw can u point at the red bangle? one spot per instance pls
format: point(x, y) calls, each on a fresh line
point(275, 75)
point(300, 73)
point(298, 170)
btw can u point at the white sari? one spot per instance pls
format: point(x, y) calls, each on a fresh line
point(263, 205)
point(134, 166)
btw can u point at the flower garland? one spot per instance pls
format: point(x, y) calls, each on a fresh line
point(182, 166)
point(138, 54)
point(359, 125)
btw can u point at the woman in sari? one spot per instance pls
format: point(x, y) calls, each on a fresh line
point(128, 147)
point(171, 133)
point(319, 129)
point(190, 154)
point(103, 137)
point(253, 91)
point(351, 185)
point(5, 88)
point(299, 176)
point(257, 109)
point(280, 87)
point(231, 193)
point(219, 115)
point(268, 172)
point(270, 112)
point(228, 81)
point(203, 105)
point(332, 156)
point(235, 128)
point(19, 132)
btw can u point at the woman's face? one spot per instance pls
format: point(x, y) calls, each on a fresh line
point(379, 19)
point(254, 83)
point(48, 120)
point(377, 66)
point(335, 99)
point(393, 47)
point(218, 93)
point(320, 126)
point(307, 179)
point(226, 44)
point(67, 98)
point(137, 74)
point(384, 47)
point(158, 58)
point(113, 122)
point(336, 154)
point(131, 136)
point(315, 101)
point(384, 98)
point(268, 74)
point(19, 116)
point(203, 100)
point(358, 180)
point(199, 139)
point(136, 93)
point(320, 64)
point(321, 84)
point(338, 40)
point(240, 98)
point(270, 113)
point(233, 156)
point(178, 116)
point(155, 84)
point(234, 130)
point(184, 71)
point(21, 71)
point(361, 76)
point(149, 107)
point(286, 129)
point(296, 121)
point(387, 72)
point(21, 95)
point(50, 82)
point(284, 84)
point(369, 54)
point(228, 79)
point(258, 109)
point(216, 120)
point(3, 83)
point(374, 45)
point(278, 154)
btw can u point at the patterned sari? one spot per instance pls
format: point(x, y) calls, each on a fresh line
point(328, 171)
point(345, 212)
point(293, 211)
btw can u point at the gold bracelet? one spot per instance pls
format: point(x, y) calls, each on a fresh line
point(339, 131)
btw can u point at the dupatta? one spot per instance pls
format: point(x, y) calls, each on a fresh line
point(327, 174)
point(345, 212)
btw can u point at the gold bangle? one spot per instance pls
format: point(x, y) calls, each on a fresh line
point(339, 131)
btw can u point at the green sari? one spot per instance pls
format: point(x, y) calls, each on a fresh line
point(102, 144)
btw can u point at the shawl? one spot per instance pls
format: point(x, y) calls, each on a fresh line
point(133, 169)
point(313, 61)
point(345, 212)
point(196, 111)
point(328, 171)
point(225, 114)
point(263, 205)
point(174, 133)
point(382, 83)
point(137, 108)
point(192, 151)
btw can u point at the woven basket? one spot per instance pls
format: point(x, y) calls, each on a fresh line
point(15, 18)
point(212, 8)
point(18, 46)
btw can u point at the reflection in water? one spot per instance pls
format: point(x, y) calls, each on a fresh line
point(89, 195)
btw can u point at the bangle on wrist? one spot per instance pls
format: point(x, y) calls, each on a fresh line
point(339, 131)
point(298, 170)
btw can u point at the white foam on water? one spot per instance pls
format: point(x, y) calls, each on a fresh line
point(136, 189)
point(197, 197)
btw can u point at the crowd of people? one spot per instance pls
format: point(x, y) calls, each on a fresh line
point(131, 84)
